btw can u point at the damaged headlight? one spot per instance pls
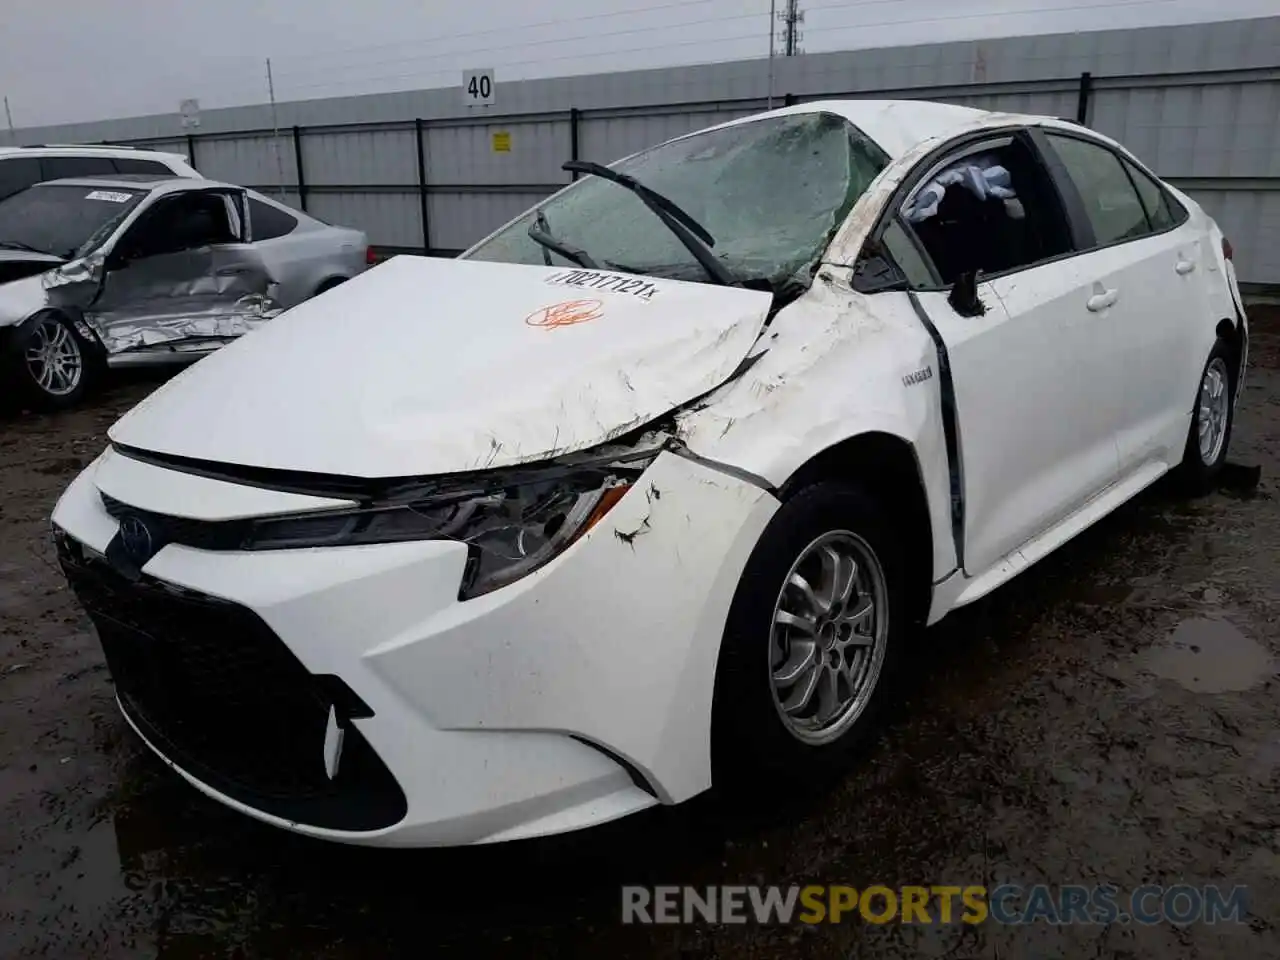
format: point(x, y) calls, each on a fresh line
point(513, 521)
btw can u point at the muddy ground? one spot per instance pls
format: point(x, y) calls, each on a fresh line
point(1112, 716)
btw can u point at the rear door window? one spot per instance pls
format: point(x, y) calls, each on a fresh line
point(55, 168)
point(1110, 200)
point(18, 173)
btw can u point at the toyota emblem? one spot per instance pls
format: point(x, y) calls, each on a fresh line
point(136, 539)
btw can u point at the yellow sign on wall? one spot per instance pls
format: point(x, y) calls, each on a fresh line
point(502, 141)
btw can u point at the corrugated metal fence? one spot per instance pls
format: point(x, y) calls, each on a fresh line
point(420, 171)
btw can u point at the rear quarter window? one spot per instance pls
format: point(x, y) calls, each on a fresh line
point(270, 222)
point(1163, 211)
point(135, 165)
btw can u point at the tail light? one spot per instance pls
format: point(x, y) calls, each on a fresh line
point(1227, 249)
point(370, 257)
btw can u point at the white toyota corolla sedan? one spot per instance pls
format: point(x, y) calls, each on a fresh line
point(650, 488)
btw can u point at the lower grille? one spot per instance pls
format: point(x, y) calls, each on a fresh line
point(212, 687)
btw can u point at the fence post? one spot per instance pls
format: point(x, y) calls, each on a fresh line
point(297, 162)
point(789, 100)
point(1082, 99)
point(574, 115)
point(191, 150)
point(422, 185)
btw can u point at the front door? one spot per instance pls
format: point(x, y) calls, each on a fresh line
point(1036, 378)
point(182, 277)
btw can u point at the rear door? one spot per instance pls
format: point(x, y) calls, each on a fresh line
point(288, 254)
point(1149, 259)
point(1036, 378)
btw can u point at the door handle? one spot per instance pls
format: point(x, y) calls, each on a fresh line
point(1100, 301)
point(1185, 266)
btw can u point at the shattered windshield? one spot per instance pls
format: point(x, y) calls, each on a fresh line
point(771, 193)
point(64, 219)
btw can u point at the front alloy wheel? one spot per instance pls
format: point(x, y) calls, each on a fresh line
point(54, 360)
point(827, 646)
point(812, 641)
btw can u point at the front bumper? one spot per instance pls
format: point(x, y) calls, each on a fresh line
point(579, 694)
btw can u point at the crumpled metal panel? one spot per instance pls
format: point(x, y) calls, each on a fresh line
point(221, 321)
point(196, 295)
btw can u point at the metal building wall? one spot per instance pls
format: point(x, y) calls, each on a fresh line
point(418, 170)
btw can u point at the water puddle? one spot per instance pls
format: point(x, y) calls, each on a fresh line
point(1209, 656)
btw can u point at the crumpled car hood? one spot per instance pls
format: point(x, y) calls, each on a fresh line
point(427, 366)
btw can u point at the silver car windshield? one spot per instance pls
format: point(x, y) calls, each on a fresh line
point(67, 220)
point(771, 193)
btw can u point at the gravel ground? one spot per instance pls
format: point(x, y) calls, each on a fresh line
point(1111, 716)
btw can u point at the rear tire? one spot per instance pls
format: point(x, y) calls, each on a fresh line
point(810, 649)
point(50, 362)
point(1212, 418)
point(329, 285)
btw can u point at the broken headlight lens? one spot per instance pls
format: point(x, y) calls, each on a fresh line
point(512, 528)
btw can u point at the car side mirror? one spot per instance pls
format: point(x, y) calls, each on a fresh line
point(874, 271)
point(964, 295)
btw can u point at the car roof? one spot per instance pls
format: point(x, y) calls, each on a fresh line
point(153, 182)
point(87, 150)
point(898, 126)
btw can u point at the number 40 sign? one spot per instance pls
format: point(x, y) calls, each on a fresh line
point(477, 88)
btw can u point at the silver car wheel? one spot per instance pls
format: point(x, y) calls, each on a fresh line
point(1213, 410)
point(54, 359)
point(828, 637)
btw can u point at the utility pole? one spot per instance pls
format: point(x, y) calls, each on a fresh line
point(791, 19)
point(8, 114)
point(275, 128)
point(773, 18)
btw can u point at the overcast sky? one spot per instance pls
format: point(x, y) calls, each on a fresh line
point(68, 60)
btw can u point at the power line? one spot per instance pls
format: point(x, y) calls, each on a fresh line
point(668, 27)
point(754, 36)
point(866, 25)
point(453, 37)
point(1073, 8)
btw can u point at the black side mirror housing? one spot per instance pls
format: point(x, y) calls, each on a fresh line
point(874, 271)
point(964, 295)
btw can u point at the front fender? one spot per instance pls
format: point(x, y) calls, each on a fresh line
point(837, 365)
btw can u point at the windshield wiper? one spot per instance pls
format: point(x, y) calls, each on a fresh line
point(688, 231)
point(19, 245)
point(540, 233)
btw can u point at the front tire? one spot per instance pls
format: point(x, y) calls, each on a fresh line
point(49, 362)
point(813, 640)
point(1212, 418)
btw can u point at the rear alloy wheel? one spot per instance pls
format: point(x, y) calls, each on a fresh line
point(812, 641)
point(51, 361)
point(1211, 421)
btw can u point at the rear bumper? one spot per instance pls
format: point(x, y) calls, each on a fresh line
point(577, 695)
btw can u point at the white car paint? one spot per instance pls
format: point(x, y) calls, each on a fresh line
point(533, 391)
point(583, 691)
